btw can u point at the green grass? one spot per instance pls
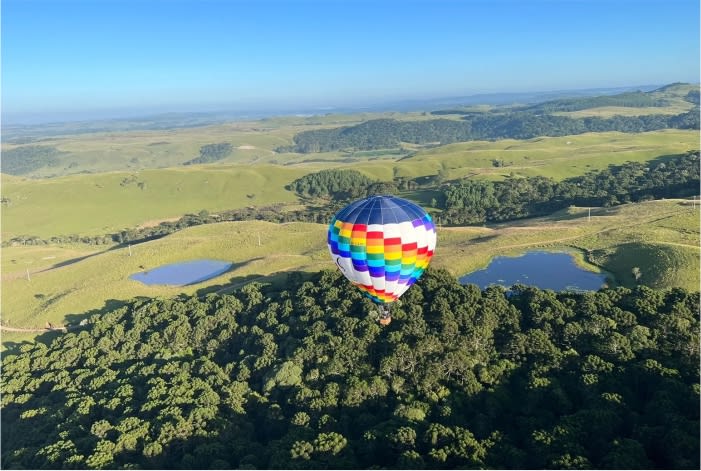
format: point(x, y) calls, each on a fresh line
point(99, 204)
point(16, 261)
point(660, 265)
point(89, 284)
point(253, 142)
point(610, 111)
point(102, 203)
point(555, 157)
point(660, 237)
point(672, 226)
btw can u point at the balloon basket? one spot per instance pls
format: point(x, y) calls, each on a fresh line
point(385, 317)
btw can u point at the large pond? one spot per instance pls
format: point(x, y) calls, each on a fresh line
point(546, 270)
point(182, 273)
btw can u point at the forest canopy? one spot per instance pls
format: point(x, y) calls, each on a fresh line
point(469, 201)
point(25, 159)
point(302, 377)
point(338, 184)
point(390, 133)
point(211, 153)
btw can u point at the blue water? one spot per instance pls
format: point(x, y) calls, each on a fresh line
point(182, 273)
point(546, 270)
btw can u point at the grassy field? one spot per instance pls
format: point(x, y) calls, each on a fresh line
point(661, 238)
point(555, 157)
point(17, 261)
point(106, 182)
point(99, 203)
point(76, 288)
point(610, 111)
point(253, 142)
point(674, 97)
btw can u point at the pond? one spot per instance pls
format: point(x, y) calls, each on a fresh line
point(183, 273)
point(546, 270)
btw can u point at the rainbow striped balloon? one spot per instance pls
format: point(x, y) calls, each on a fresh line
point(382, 244)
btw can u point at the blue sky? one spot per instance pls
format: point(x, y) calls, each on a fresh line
point(60, 55)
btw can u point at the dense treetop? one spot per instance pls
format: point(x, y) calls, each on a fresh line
point(211, 153)
point(475, 201)
point(338, 184)
point(304, 377)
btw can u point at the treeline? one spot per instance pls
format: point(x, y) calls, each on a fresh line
point(305, 378)
point(26, 159)
point(462, 202)
point(636, 99)
point(339, 184)
point(211, 153)
point(477, 201)
point(693, 97)
point(388, 133)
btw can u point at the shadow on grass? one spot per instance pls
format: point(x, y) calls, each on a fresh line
point(277, 281)
point(576, 212)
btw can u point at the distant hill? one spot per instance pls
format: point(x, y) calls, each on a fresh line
point(26, 159)
point(631, 99)
point(386, 133)
point(23, 129)
point(663, 96)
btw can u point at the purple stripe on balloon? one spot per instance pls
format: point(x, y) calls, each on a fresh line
point(389, 276)
point(361, 268)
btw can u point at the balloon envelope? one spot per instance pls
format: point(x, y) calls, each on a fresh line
point(382, 244)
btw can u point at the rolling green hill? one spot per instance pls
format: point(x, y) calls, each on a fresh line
point(78, 203)
point(659, 234)
point(110, 181)
point(103, 203)
point(340, 137)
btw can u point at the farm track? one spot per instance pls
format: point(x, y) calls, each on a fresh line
point(58, 328)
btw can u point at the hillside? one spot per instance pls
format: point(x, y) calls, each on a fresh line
point(615, 239)
point(58, 150)
point(383, 134)
point(75, 204)
point(679, 95)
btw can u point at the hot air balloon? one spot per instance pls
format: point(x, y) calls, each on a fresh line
point(382, 244)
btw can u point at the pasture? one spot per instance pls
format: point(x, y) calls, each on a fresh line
point(94, 204)
point(661, 238)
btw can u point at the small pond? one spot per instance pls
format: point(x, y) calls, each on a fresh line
point(182, 273)
point(546, 270)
